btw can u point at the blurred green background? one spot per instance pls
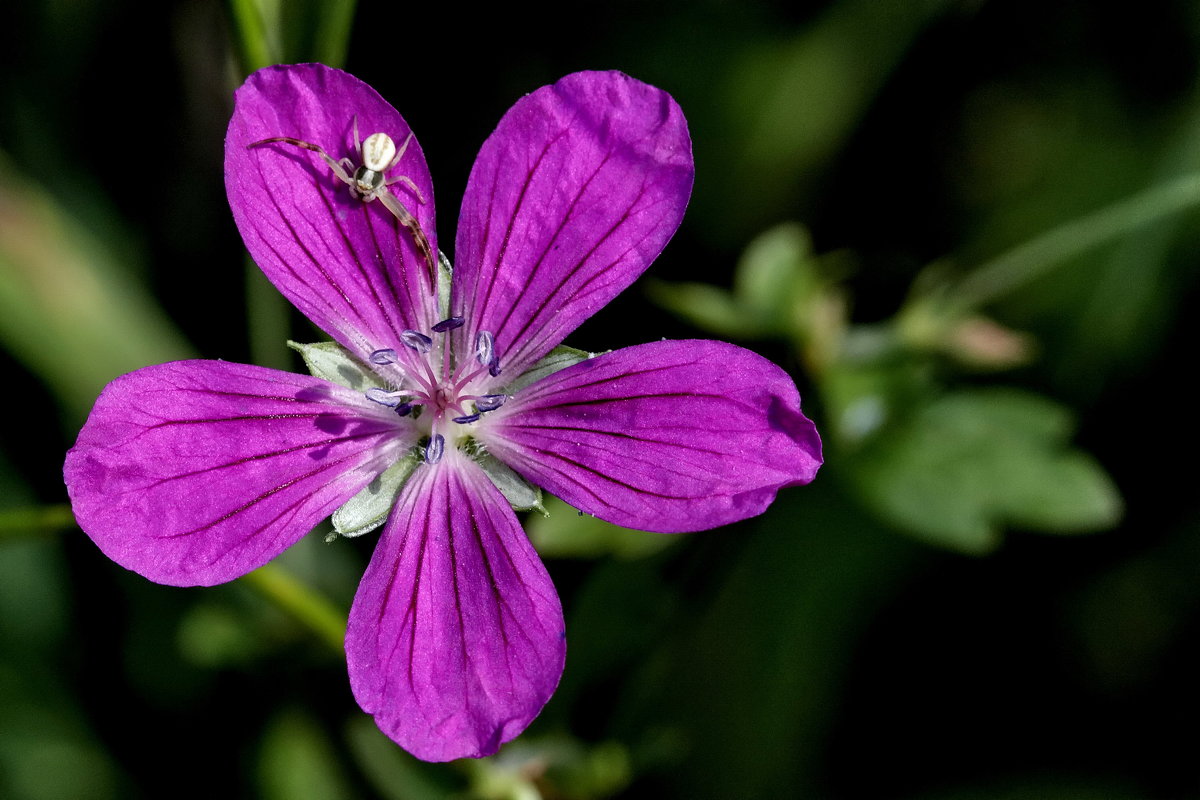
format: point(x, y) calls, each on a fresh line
point(969, 230)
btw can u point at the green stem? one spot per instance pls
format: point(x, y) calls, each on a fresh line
point(250, 31)
point(273, 582)
point(307, 606)
point(1038, 256)
point(334, 37)
point(267, 319)
point(21, 522)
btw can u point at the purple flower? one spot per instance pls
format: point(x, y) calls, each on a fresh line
point(442, 398)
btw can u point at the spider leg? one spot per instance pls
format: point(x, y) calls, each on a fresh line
point(400, 153)
point(337, 168)
point(393, 204)
point(407, 181)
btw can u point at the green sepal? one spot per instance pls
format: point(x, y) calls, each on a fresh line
point(445, 273)
point(369, 509)
point(520, 493)
point(556, 359)
point(332, 362)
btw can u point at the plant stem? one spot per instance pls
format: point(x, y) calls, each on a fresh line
point(250, 32)
point(334, 38)
point(267, 321)
point(307, 606)
point(1034, 258)
point(21, 522)
point(272, 581)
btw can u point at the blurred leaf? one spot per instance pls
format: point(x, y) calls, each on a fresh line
point(621, 612)
point(794, 105)
point(566, 533)
point(554, 766)
point(213, 635)
point(33, 583)
point(256, 28)
point(67, 310)
point(45, 753)
point(598, 771)
point(333, 31)
point(776, 273)
point(971, 462)
point(871, 387)
point(393, 773)
point(748, 670)
point(298, 762)
point(33, 598)
point(46, 750)
point(708, 308)
point(775, 281)
point(268, 321)
point(1130, 623)
point(273, 32)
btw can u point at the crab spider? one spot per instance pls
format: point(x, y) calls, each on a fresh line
point(368, 181)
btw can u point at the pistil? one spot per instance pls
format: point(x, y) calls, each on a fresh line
point(442, 393)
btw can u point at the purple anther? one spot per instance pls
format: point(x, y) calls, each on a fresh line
point(433, 450)
point(384, 397)
point(466, 419)
point(490, 402)
point(449, 324)
point(417, 341)
point(404, 409)
point(383, 357)
point(484, 347)
point(494, 366)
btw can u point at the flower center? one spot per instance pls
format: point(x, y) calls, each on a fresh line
point(441, 390)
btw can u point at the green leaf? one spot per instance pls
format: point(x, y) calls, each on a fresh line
point(966, 465)
point(791, 106)
point(774, 288)
point(332, 362)
point(776, 272)
point(70, 309)
point(213, 635)
point(298, 761)
point(565, 767)
point(393, 773)
point(708, 308)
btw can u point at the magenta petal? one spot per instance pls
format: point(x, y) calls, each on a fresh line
point(668, 436)
point(196, 472)
point(455, 639)
point(345, 263)
point(575, 193)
